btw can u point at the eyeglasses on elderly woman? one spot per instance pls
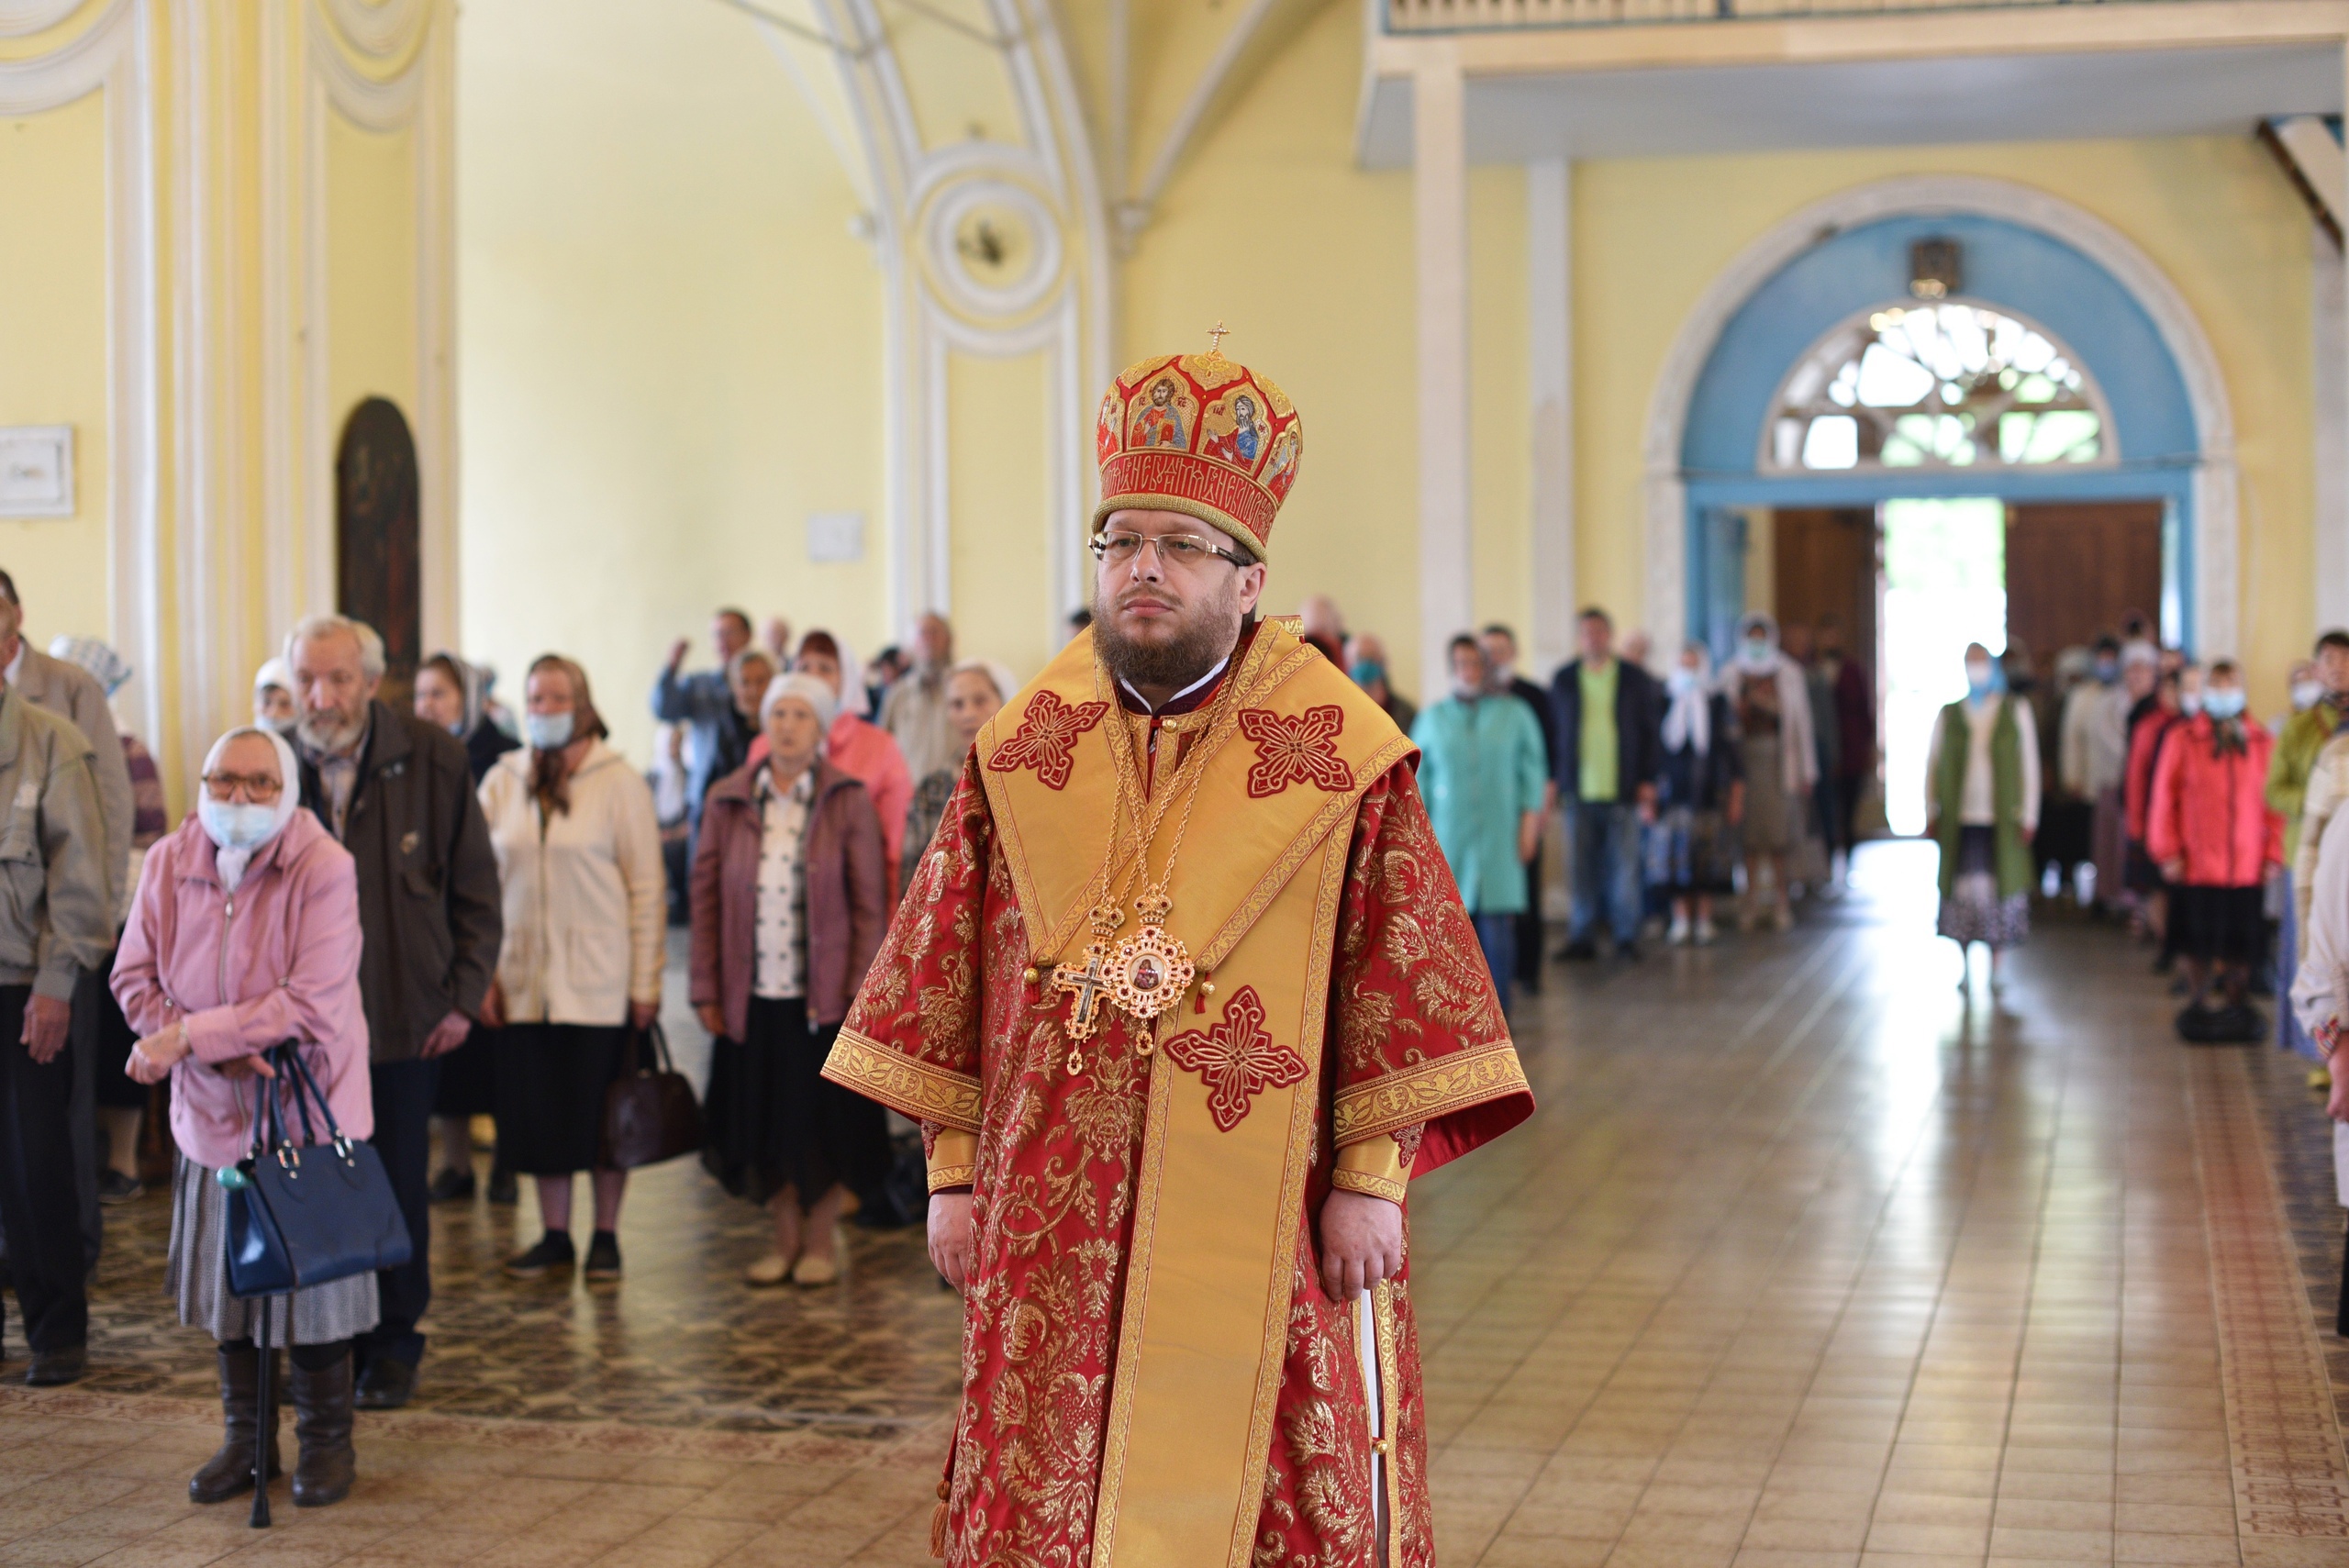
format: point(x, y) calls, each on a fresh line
point(258, 788)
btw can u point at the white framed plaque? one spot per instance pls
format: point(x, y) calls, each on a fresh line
point(37, 470)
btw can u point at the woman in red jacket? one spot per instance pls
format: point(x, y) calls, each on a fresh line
point(2209, 828)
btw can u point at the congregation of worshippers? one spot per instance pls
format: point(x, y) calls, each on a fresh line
point(463, 900)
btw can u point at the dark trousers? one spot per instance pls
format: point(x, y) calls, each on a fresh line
point(404, 1095)
point(81, 1042)
point(1606, 869)
point(1529, 926)
point(38, 1205)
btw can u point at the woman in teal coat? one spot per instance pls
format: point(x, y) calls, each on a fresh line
point(1482, 772)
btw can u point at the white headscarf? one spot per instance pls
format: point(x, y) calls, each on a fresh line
point(274, 672)
point(232, 862)
point(997, 673)
point(815, 692)
point(1689, 720)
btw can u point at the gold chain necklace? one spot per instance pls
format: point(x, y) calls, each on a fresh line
point(1147, 972)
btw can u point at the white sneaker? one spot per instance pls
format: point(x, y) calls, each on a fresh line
point(1679, 935)
point(1705, 932)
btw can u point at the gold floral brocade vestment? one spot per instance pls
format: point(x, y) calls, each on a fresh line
point(1154, 1376)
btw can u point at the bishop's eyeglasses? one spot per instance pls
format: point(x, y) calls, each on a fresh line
point(1186, 551)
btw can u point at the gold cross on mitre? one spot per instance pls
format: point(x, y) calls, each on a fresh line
point(1216, 335)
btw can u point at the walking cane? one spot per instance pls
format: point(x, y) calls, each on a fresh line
point(265, 1406)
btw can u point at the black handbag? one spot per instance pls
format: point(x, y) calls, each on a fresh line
point(307, 1214)
point(649, 1111)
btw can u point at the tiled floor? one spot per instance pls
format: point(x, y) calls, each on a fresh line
point(1806, 1260)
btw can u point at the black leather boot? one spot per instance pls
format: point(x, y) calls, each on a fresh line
point(326, 1464)
point(229, 1472)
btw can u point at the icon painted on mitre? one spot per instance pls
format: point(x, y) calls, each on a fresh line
point(1281, 472)
point(1235, 432)
point(1105, 430)
point(1160, 423)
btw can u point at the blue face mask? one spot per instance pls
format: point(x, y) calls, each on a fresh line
point(234, 826)
point(2224, 703)
point(2189, 703)
point(1981, 678)
point(547, 731)
point(2107, 671)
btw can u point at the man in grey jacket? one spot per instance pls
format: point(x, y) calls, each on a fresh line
point(56, 925)
point(74, 694)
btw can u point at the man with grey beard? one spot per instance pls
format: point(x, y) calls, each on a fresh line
point(398, 792)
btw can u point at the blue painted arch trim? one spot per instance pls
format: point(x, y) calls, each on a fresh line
point(2006, 265)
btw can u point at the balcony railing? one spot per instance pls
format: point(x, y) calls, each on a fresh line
point(1494, 16)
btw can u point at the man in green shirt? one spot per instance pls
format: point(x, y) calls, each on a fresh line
point(1609, 756)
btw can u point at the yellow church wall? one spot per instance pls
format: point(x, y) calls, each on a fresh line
point(1274, 229)
point(2212, 212)
point(53, 353)
point(670, 345)
point(371, 270)
point(998, 495)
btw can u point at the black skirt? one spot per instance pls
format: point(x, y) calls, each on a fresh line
point(469, 1076)
point(2225, 924)
point(550, 1100)
point(774, 1122)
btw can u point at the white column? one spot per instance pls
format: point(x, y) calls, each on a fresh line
point(2329, 310)
point(1549, 196)
point(1439, 201)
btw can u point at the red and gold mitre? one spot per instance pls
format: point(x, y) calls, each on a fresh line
point(1201, 435)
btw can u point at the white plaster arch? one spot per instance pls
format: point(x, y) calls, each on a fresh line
point(2215, 480)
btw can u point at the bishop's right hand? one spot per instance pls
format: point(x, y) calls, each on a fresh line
point(950, 1236)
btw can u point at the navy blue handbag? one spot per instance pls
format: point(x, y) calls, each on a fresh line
point(305, 1214)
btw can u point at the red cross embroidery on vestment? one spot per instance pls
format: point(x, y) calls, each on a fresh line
point(1300, 749)
point(1237, 1059)
point(1046, 737)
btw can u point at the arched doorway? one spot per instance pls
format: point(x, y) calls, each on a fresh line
point(376, 537)
point(2169, 436)
point(1932, 344)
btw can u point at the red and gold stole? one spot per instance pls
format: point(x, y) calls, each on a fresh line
point(1236, 1076)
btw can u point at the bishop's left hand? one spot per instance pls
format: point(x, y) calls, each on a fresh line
point(1362, 1243)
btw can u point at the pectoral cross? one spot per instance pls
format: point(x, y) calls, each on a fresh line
point(1085, 988)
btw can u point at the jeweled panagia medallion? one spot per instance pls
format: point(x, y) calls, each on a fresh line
point(1150, 971)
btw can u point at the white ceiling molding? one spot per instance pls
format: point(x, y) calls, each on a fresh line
point(937, 302)
point(22, 18)
point(380, 29)
point(116, 55)
point(2216, 500)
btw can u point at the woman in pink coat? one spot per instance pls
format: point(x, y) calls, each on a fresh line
point(864, 752)
point(244, 935)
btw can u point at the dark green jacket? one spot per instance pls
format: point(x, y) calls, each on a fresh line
point(2006, 794)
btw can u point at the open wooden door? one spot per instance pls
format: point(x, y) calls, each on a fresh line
point(1826, 562)
point(2073, 572)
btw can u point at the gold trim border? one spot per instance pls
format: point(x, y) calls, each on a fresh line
point(1390, 1412)
point(1424, 1092)
point(919, 1090)
point(1368, 1186)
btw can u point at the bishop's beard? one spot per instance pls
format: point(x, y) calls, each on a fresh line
point(1205, 635)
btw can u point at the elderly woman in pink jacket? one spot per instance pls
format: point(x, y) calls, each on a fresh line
point(244, 935)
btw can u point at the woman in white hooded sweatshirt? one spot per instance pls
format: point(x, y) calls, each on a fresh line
point(2321, 995)
point(579, 856)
